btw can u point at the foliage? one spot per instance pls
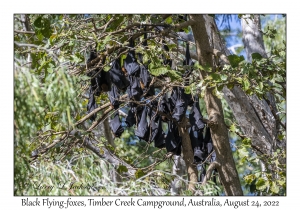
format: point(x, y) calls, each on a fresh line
point(274, 30)
point(50, 99)
point(41, 106)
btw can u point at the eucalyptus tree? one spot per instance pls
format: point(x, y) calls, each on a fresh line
point(55, 54)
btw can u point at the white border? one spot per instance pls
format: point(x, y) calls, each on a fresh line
point(8, 201)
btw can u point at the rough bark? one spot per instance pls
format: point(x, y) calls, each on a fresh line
point(179, 169)
point(253, 43)
point(107, 155)
point(188, 154)
point(247, 119)
point(107, 133)
point(115, 176)
point(26, 27)
point(227, 169)
point(253, 36)
point(245, 109)
point(265, 109)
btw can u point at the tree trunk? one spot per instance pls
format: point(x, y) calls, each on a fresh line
point(253, 36)
point(107, 133)
point(179, 169)
point(116, 178)
point(226, 165)
point(26, 27)
point(248, 120)
point(265, 109)
point(188, 154)
point(253, 43)
point(245, 109)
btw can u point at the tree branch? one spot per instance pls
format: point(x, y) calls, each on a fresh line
point(209, 171)
point(99, 120)
point(24, 32)
point(105, 154)
point(50, 52)
point(89, 115)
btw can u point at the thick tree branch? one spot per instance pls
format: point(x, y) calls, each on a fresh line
point(228, 172)
point(107, 155)
point(188, 154)
point(36, 153)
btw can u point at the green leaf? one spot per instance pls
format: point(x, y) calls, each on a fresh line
point(123, 57)
point(52, 38)
point(246, 141)
point(202, 68)
point(39, 35)
point(216, 77)
point(232, 128)
point(186, 30)
point(85, 78)
point(171, 46)
point(116, 23)
point(249, 178)
point(281, 182)
point(50, 70)
point(280, 137)
point(187, 90)
point(240, 16)
point(220, 88)
point(110, 147)
point(106, 39)
point(38, 22)
point(224, 77)
point(169, 20)
point(139, 173)
point(42, 27)
point(250, 92)
point(261, 85)
point(106, 68)
point(256, 56)
point(46, 30)
point(262, 184)
point(122, 169)
point(76, 58)
point(274, 188)
point(230, 85)
point(158, 71)
point(174, 75)
point(245, 83)
point(243, 152)
point(235, 60)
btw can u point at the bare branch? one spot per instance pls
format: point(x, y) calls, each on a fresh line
point(50, 52)
point(211, 167)
point(105, 154)
point(24, 32)
point(88, 116)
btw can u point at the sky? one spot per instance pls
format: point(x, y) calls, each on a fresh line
point(232, 24)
